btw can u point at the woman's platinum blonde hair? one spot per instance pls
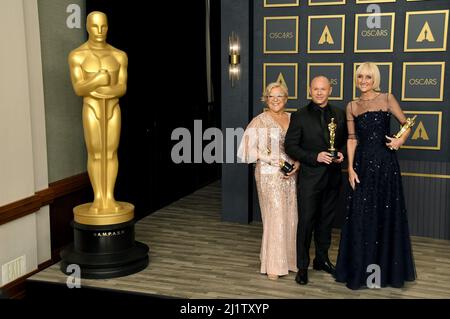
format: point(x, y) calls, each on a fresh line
point(371, 69)
point(271, 86)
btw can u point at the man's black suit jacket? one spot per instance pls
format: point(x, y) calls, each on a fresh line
point(306, 138)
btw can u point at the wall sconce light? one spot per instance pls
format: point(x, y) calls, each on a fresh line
point(234, 69)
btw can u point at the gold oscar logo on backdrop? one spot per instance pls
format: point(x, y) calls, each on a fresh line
point(423, 81)
point(420, 133)
point(284, 73)
point(281, 35)
point(425, 34)
point(375, 33)
point(427, 133)
point(326, 36)
point(281, 80)
point(426, 31)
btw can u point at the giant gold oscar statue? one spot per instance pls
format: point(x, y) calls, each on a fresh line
point(104, 244)
point(99, 74)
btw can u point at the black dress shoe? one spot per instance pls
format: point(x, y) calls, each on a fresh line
point(302, 277)
point(326, 266)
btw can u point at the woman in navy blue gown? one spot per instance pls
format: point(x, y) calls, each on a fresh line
point(375, 234)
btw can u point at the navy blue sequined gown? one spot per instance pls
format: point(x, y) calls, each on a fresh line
point(375, 229)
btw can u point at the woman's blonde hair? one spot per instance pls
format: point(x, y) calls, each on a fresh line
point(371, 69)
point(271, 86)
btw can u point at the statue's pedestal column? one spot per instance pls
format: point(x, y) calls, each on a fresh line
point(104, 250)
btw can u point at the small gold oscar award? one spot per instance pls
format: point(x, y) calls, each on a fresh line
point(285, 166)
point(332, 128)
point(409, 123)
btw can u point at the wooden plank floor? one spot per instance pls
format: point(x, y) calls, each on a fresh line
point(193, 254)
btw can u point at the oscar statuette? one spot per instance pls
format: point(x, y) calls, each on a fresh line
point(104, 245)
point(332, 129)
point(286, 167)
point(409, 123)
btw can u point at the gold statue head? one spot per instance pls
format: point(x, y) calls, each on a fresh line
point(332, 126)
point(97, 26)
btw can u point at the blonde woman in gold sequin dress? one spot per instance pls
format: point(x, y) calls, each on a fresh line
point(263, 144)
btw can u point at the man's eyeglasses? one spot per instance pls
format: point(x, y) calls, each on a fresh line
point(276, 96)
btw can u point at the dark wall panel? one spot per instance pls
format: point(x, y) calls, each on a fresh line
point(166, 90)
point(236, 104)
point(427, 198)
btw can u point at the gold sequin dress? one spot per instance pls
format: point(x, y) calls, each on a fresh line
point(263, 144)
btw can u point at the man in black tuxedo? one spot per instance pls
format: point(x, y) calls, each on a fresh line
point(307, 140)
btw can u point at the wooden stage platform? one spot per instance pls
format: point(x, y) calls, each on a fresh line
point(193, 254)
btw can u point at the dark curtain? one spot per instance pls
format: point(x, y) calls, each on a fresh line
point(165, 43)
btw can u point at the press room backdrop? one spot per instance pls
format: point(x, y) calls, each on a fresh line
point(293, 40)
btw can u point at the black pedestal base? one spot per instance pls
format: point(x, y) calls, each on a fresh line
point(105, 251)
